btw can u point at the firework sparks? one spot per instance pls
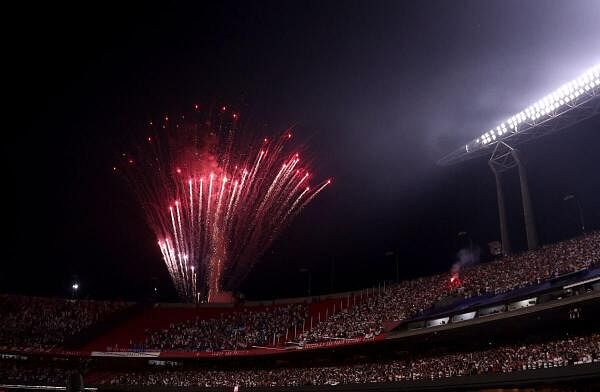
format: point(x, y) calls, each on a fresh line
point(214, 203)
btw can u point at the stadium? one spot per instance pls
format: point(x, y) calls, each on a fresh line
point(484, 332)
point(215, 253)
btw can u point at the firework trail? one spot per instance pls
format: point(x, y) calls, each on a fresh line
point(214, 202)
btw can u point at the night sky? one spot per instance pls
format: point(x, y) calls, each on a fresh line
point(379, 90)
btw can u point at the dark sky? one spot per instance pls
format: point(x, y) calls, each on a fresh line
point(381, 90)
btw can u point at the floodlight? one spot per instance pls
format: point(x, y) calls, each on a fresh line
point(572, 102)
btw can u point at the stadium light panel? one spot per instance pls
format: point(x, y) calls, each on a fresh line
point(521, 126)
point(546, 105)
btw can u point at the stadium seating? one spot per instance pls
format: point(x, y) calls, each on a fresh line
point(43, 323)
point(504, 359)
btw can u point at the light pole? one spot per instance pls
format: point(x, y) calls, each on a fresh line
point(573, 196)
point(307, 271)
point(396, 260)
point(332, 275)
point(75, 288)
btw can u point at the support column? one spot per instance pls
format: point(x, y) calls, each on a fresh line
point(530, 228)
point(504, 238)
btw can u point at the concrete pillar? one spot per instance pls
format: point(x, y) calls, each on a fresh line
point(530, 228)
point(504, 238)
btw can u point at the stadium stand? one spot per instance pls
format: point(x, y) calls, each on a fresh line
point(412, 298)
point(567, 351)
point(235, 330)
point(362, 314)
point(43, 323)
point(558, 353)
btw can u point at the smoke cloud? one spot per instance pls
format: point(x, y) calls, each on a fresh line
point(466, 257)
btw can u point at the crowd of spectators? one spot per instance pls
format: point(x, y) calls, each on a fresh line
point(567, 351)
point(19, 372)
point(412, 297)
point(366, 317)
point(236, 330)
point(43, 323)
point(504, 359)
point(533, 266)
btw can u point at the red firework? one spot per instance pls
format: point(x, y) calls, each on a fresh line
point(215, 203)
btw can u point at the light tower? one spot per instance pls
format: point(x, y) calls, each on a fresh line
point(573, 102)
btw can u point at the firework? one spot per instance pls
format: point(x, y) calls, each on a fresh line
point(214, 202)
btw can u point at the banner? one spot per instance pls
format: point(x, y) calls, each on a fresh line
point(126, 354)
